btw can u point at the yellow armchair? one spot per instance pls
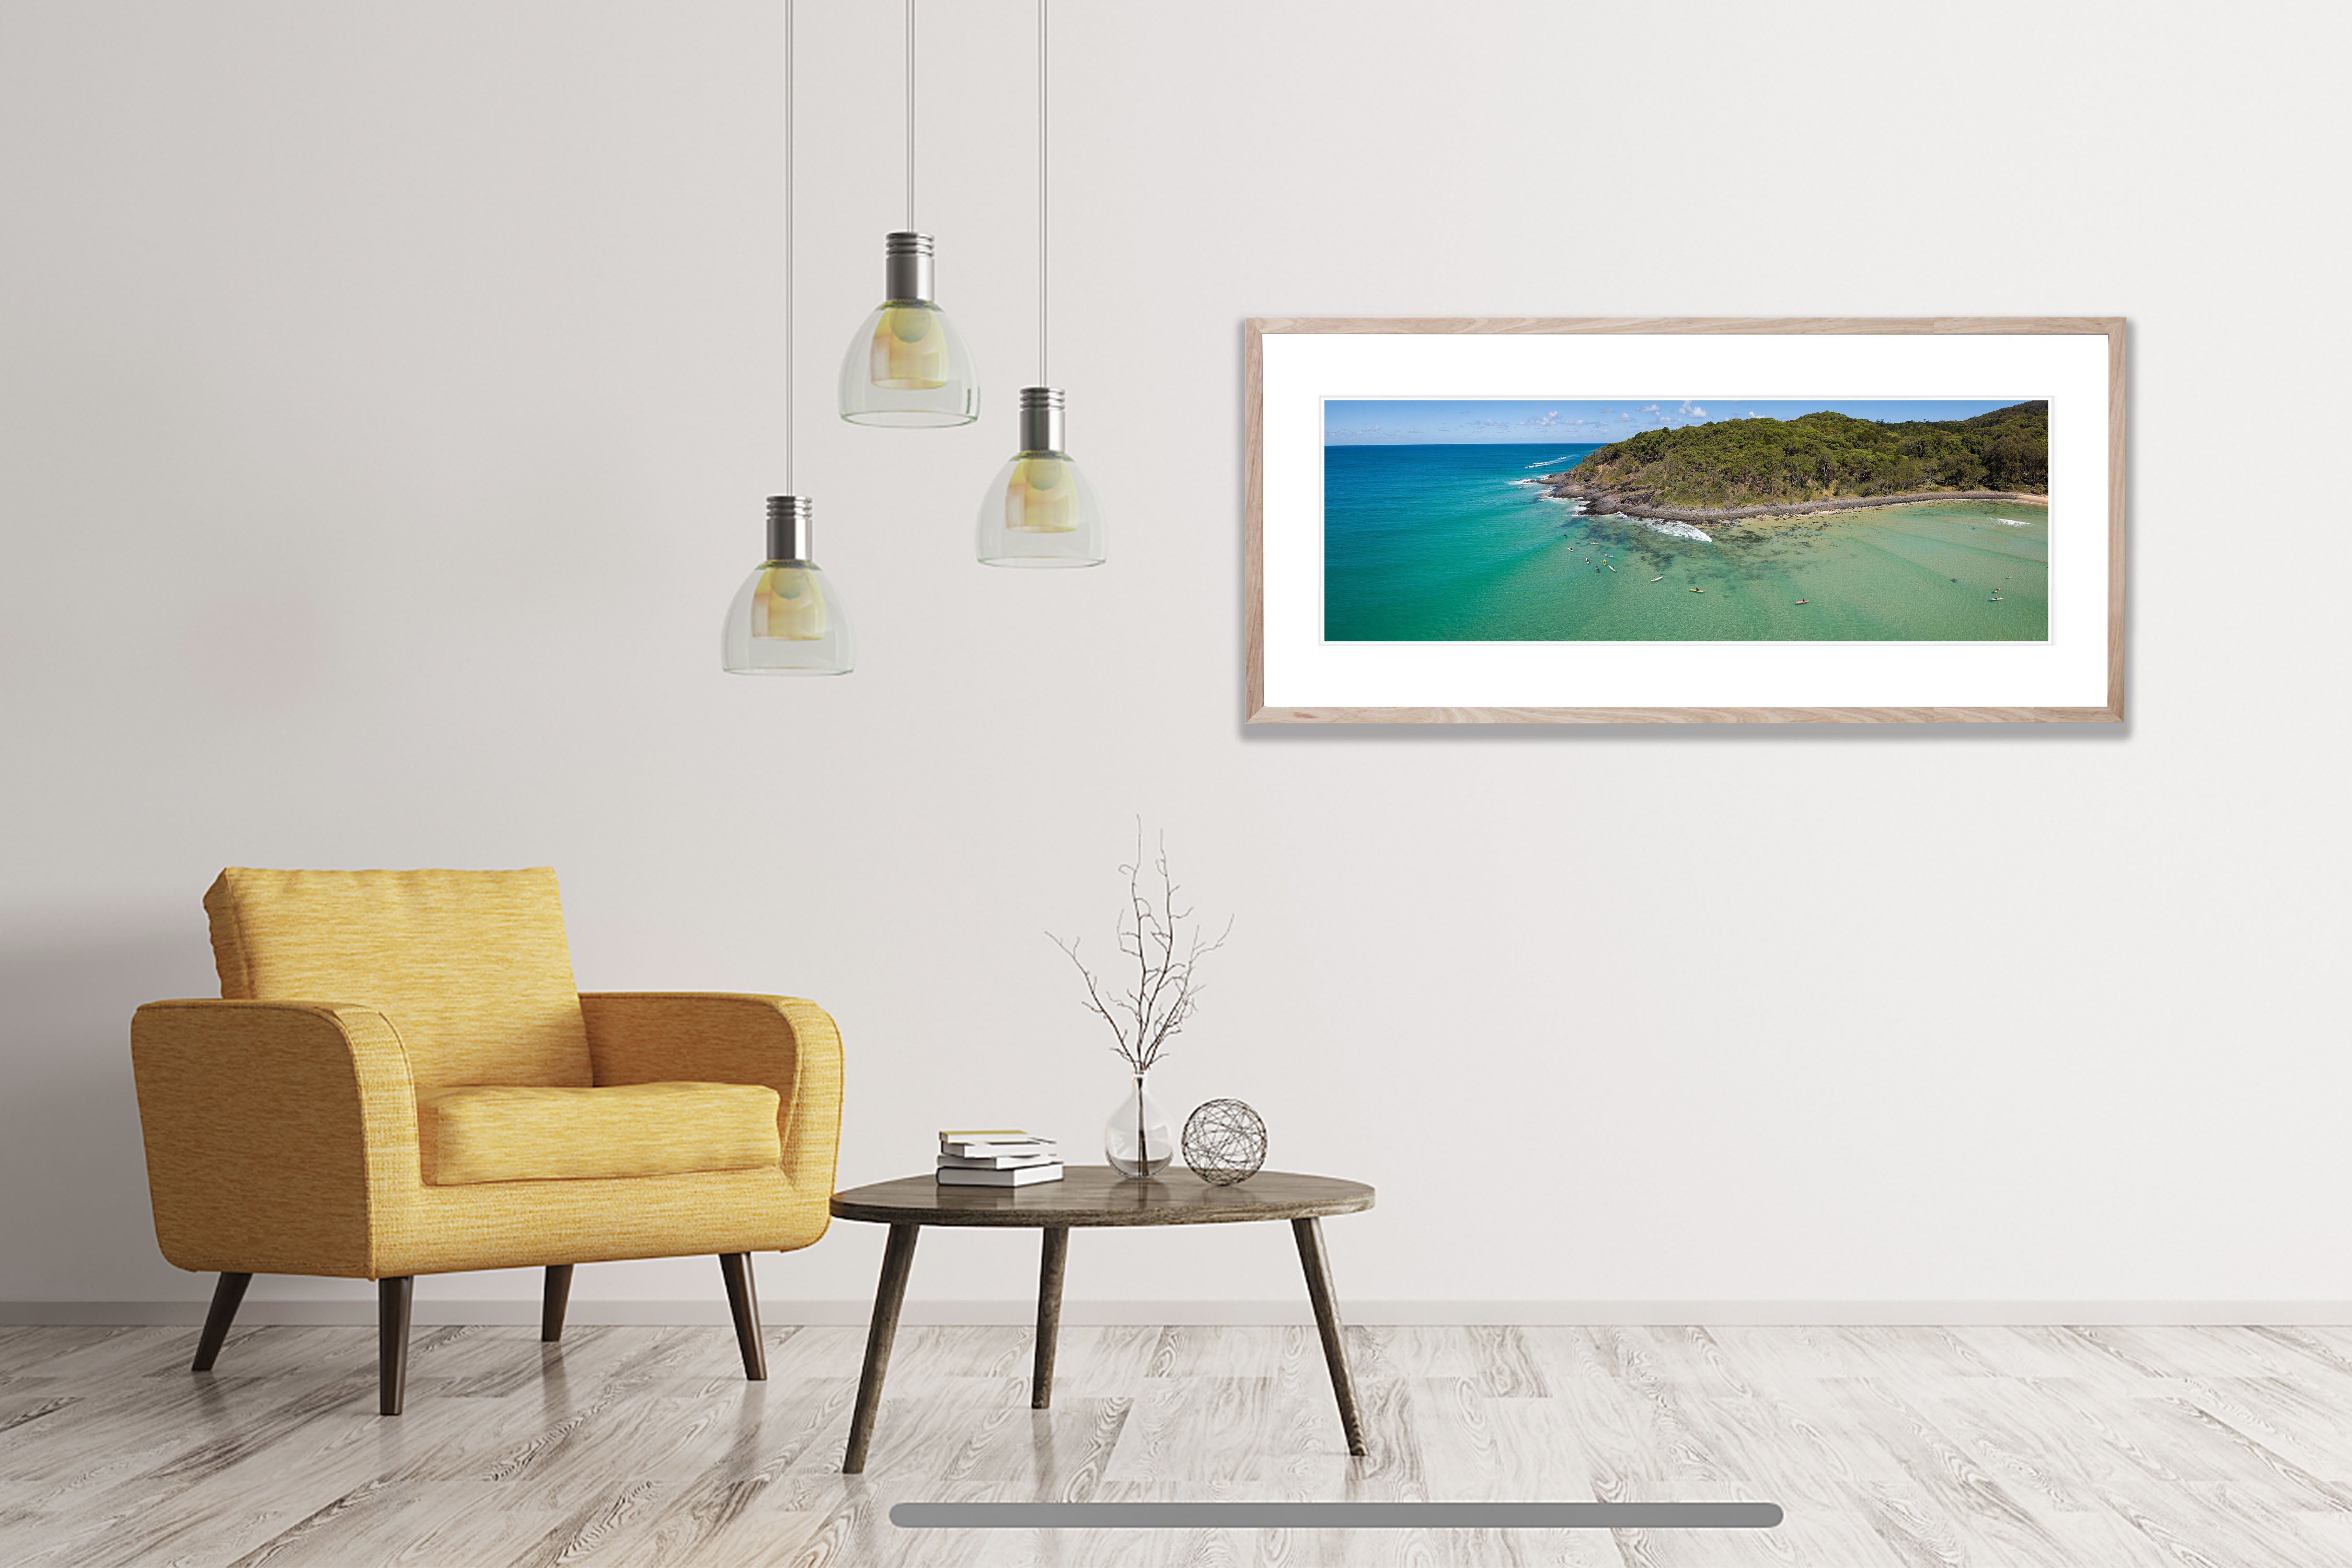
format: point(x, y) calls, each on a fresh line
point(465, 1107)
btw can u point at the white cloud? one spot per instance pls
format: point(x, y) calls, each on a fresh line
point(1650, 409)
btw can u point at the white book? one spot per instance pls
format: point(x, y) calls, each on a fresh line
point(1019, 1176)
point(1008, 1161)
point(995, 1143)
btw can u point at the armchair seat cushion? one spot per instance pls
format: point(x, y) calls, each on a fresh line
point(542, 1134)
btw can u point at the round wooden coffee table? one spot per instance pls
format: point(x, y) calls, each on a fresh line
point(1091, 1195)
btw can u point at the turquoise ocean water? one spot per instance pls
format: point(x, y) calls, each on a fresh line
point(1454, 544)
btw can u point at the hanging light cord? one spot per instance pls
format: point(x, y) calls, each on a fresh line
point(911, 114)
point(1044, 23)
point(788, 249)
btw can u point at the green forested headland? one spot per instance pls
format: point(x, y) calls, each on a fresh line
point(1824, 455)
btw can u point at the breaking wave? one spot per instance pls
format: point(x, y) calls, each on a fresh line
point(1548, 462)
point(2013, 523)
point(1675, 530)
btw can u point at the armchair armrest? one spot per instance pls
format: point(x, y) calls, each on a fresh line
point(789, 1045)
point(273, 1130)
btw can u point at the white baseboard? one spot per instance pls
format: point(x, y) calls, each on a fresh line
point(360, 1310)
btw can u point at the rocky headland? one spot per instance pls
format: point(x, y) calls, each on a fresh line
point(1740, 470)
point(1601, 501)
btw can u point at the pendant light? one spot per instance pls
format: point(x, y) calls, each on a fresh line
point(787, 619)
point(1040, 510)
point(908, 365)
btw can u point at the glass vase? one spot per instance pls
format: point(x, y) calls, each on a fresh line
point(1137, 1139)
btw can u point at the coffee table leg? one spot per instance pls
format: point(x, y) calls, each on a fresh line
point(1309, 1233)
point(1055, 1251)
point(897, 1259)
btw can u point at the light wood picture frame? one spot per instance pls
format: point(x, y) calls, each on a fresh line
point(1306, 376)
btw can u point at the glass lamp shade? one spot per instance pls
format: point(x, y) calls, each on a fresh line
point(787, 619)
point(908, 366)
point(1041, 512)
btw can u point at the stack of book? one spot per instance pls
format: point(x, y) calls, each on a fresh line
point(997, 1157)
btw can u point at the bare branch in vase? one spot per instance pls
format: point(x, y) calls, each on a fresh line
point(1167, 988)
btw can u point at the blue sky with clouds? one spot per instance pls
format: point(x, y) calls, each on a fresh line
point(1397, 422)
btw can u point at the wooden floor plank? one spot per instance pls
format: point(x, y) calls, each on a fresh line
point(2075, 1448)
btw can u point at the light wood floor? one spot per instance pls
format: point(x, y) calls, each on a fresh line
point(1999, 1446)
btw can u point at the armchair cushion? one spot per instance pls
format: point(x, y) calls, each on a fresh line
point(470, 967)
point(471, 1135)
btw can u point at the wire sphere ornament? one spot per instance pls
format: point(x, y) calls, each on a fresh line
point(1224, 1142)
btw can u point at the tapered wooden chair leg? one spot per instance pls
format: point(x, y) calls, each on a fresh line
point(553, 1301)
point(393, 1297)
point(743, 1300)
point(226, 1297)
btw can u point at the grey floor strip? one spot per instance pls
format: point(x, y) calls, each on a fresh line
point(1335, 1515)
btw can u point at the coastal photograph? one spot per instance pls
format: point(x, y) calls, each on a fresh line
point(1686, 519)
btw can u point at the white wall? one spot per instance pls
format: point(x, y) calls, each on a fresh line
point(387, 394)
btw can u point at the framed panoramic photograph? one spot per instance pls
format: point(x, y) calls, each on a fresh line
point(1688, 519)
